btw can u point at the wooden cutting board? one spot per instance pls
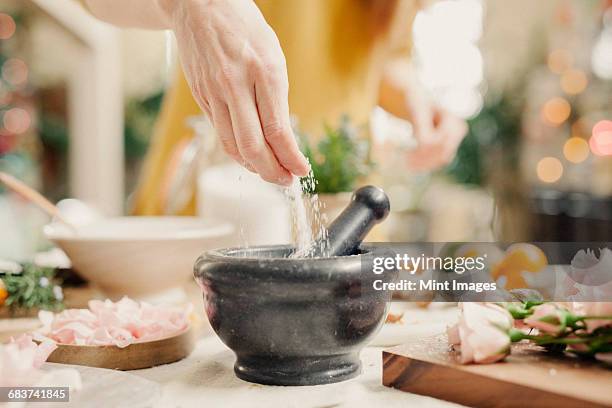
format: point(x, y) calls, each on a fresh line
point(528, 378)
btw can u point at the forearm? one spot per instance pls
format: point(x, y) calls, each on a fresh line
point(147, 14)
point(394, 87)
point(236, 71)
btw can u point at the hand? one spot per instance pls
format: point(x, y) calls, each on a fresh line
point(236, 69)
point(439, 134)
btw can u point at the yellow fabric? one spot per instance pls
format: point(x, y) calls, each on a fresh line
point(170, 131)
point(335, 58)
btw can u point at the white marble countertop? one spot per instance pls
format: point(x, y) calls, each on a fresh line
point(206, 377)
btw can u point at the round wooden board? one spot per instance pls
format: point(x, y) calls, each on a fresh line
point(133, 357)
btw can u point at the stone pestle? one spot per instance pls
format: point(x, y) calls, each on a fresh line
point(369, 206)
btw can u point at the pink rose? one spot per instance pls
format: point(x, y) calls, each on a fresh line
point(594, 309)
point(482, 333)
point(547, 318)
point(589, 276)
point(605, 357)
point(577, 347)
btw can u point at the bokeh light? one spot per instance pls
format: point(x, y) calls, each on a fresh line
point(601, 55)
point(573, 81)
point(7, 26)
point(601, 138)
point(7, 143)
point(5, 95)
point(559, 61)
point(448, 59)
point(576, 150)
point(556, 111)
point(579, 127)
point(17, 120)
point(549, 169)
point(15, 71)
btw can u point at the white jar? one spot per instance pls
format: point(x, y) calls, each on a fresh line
point(259, 211)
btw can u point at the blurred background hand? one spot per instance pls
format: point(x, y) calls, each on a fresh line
point(438, 136)
point(437, 131)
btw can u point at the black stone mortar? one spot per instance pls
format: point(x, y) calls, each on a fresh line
point(300, 321)
point(292, 321)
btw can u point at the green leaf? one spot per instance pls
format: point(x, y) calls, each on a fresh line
point(338, 160)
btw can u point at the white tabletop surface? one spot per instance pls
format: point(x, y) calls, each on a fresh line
point(206, 377)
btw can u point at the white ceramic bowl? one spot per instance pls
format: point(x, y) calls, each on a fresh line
point(138, 256)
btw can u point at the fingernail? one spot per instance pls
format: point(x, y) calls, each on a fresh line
point(302, 173)
point(306, 167)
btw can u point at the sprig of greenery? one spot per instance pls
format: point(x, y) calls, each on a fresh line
point(34, 288)
point(338, 160)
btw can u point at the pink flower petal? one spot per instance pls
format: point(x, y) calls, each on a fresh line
point(115, 323)
point(482, 333)
point(453, 334)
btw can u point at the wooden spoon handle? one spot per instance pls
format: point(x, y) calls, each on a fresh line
point(32, 195)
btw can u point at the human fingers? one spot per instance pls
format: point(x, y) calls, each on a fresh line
point(223, 127)
point(271, 95)
point(250, 139)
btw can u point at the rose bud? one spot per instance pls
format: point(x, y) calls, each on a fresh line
point(548, 318)
point(482, 333)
